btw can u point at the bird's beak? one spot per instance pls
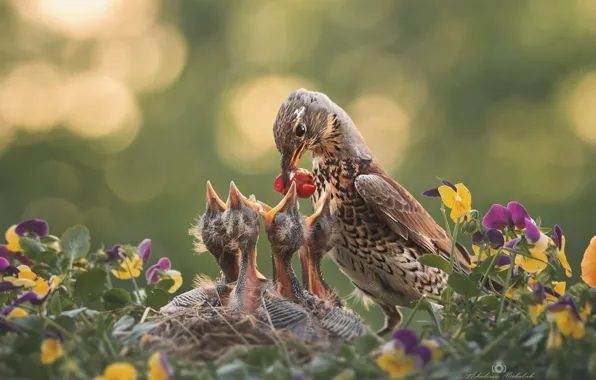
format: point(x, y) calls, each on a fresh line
point(236, 199)
point(323, 210)
point(289, 203)
point(213, 199)
point(290, 162)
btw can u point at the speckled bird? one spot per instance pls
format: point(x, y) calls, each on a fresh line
point(381, 228)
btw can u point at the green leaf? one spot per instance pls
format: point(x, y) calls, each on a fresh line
point(90, 285)
point(31, 247)
point(124, 323)
point(54, 305)
point(117, 298)
point(233, 371)
point(75, 312)
point(262, 356)
point(76, 241)
point(346, 351)
point(139, 330)
point(66, 323)
point(461, 284)
point(365, 344)
point(165, 284)
point(156, 298)
point(435, 261)
point(325, 366)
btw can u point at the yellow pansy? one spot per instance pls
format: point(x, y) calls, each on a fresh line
point(177, 277)
point(12, 239)
point(586, 311)
point(458, 200)
point(534, 264)
point(129, 267)
point(25, 277)
point(396, 364)
point(17, 312)
point(535, 312)
point(119, 371)
point(589, 264)
point(566, 317)
point(51, 350)
point(159, 369)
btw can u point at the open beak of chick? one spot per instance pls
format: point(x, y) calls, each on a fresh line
point(236, 200)
point(213, 200)
point(287, 204)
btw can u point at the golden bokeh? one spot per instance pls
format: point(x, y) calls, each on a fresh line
point(264, 33)
point(385, 127)
point(6, 135)
point(244, 135)
point(581, 106)
point(545, 166)
point(146, 63)
point(31, 96)
point(61, 211)
point(99, 105)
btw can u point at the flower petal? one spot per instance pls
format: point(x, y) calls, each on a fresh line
point(434, 193)
point(145, 249)
point(177, 277)
point(464, 194)
point(495, 237)
point(533, 233)
point(558, 236)
point(497, 217)
point(447, 195)
point(518, 214)
point(37, 226)
point(447, 183)
point(512, 243)
point(405, 338)
point(588, 265)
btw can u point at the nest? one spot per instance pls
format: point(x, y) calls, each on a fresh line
point(210, 334)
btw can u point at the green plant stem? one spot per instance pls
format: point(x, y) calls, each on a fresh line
point(109, 280)
point(453, 245)
point(109, 345)
point(414, 310)
point(491, 266)
point(447, 228)
point(505, 288)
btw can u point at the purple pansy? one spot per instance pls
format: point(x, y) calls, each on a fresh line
point(512, 243)
point(407, 341)
point(493, 236)
point(8, 254)
point(37, 226)
point(435, 192)
point(4, 264)
point(533, 233)
point(558, 237)
point(6, 286)
point(145, 249)
point(114, 253)
point(504, 260)
point(5, 325)
point(152, 273)
point(31, 297)
point(499, 217)
point(565, 303)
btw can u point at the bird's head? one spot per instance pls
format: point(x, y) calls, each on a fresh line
point(310, 121)
point(241, 217)
point(320, 229)
point(284, 224)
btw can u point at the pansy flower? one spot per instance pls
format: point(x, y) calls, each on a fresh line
point(115, 254)
point(434, 345)
point(537, 260)
point(129, 267)
point(489, 241)
point(559, 240)
point(159, 368)
point(456, 197)
point(24, 278)
point(163, 268)
point(589, 264)
point(145, 249)
point(119, 371)
point(39, 294)
point(403, 356)
point(565, 315)
point(36, 227)
point(51, 348)
point(499, 217)
point(539, 296)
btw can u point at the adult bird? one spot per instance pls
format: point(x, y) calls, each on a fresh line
point(381, 228)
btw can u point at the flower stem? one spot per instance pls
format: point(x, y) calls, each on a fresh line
point(447, 228)
point(414, 310)
point(505, 288)
point(453, 246)
point(490, 267)
point(109, 345)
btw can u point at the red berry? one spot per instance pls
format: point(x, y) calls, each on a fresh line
point(305, 183)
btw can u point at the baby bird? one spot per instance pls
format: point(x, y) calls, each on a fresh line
point(319, 240)
point(216, 233)
point(286, 229)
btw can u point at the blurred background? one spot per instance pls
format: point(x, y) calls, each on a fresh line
point(115, 113)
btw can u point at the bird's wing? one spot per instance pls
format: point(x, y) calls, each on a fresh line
point(406, 216)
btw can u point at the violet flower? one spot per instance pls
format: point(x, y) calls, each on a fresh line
point(37, 226)
point(499, 217)
point(145, 249)
point(434, 193)
point(152, 273)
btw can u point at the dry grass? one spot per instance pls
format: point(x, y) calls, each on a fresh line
point(209, 333)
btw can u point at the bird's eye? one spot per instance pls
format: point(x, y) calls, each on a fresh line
point(318, 226)
point(300, 129)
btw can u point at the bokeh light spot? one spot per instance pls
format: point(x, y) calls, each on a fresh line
point(99, 105)
point(30, 96)
point(581, 107)
point(384, 125)
point(59, 212)
point(245, 137)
